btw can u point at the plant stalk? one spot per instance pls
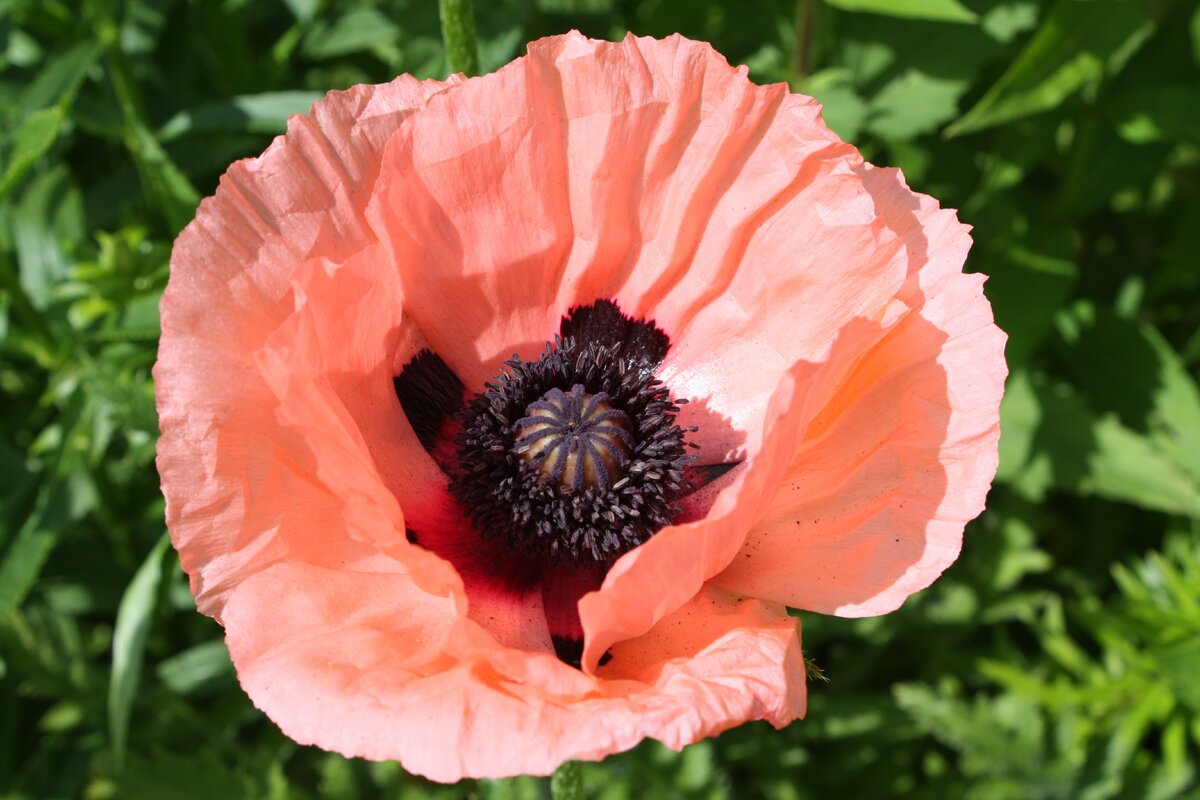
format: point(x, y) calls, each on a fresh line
point(567, 782)
point(458, 34)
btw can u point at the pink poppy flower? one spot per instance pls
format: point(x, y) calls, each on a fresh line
point(426, 548)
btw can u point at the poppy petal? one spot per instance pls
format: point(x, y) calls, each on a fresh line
point(903, 450)
point(368, 665)
point(607, 185)
point(470, 200)
point(230, 271)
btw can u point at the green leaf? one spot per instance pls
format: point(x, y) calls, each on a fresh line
point(167, 186)
point(20, 49)
point(913, 104)
point(254, 113)
point(302, 10)
point(1019, 554)
point(357, 31)
point(994, 735)
point(1005, 21)
point(1051, 440)
point(844, 111)
point(197, 669)
point(936, 10)
point(1127, 369)
point(142, 23)
point(1181, 664)
point(909, 87)
point(47, 216)
point(1158, 112)
point(32, 139)
point(1026, 288)
point(500, 30)
point(1128, 429)
point(27, 554)
point(134, 616)
point(62, 76)
point(1079, 41)
point(23, 562)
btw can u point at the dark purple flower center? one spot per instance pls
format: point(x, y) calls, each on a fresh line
point(560, 464)
point(574, 457)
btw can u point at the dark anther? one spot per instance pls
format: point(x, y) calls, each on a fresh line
point(639, 343)
point(430, 394)
point(570, 651)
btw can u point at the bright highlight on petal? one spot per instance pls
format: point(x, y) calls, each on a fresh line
point(503, 418)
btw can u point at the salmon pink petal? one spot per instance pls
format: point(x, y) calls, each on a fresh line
point(225, 485)
point(329, 366)
point(471, 202)
point(366, 664)
point(903, 450)
point(615, 181)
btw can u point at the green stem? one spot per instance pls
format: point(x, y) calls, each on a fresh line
point(806, 23)
point(567, 782)
point(458, 32)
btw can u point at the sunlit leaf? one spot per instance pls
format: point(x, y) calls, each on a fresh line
point(1128, 370)
point(1181, 663)
point(1169, 112)
point(21, 564)
point(361, 29)
point(46, 217)
point(199, 668)
point(1077, 42)
point(1051, 440)
point(261, 113)
point(913, 104)
point(30, 141)
point(844, 111)
point(129, 643)
point(62, 76)
point(937, 10)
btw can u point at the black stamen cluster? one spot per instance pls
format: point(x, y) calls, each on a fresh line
point(576, 524)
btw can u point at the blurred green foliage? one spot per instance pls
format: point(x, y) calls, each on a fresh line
point(1059, 658)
